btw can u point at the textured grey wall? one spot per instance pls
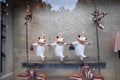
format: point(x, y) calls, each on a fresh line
point(70, 24)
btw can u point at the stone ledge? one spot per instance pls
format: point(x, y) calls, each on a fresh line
point(68, 65)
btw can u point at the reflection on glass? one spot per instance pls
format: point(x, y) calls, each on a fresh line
point(56, 5)
point(2, 0)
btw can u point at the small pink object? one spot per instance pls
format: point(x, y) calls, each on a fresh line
point(117, 42)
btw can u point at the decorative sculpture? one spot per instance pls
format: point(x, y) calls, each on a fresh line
point(97, 17)
point(32, 74)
